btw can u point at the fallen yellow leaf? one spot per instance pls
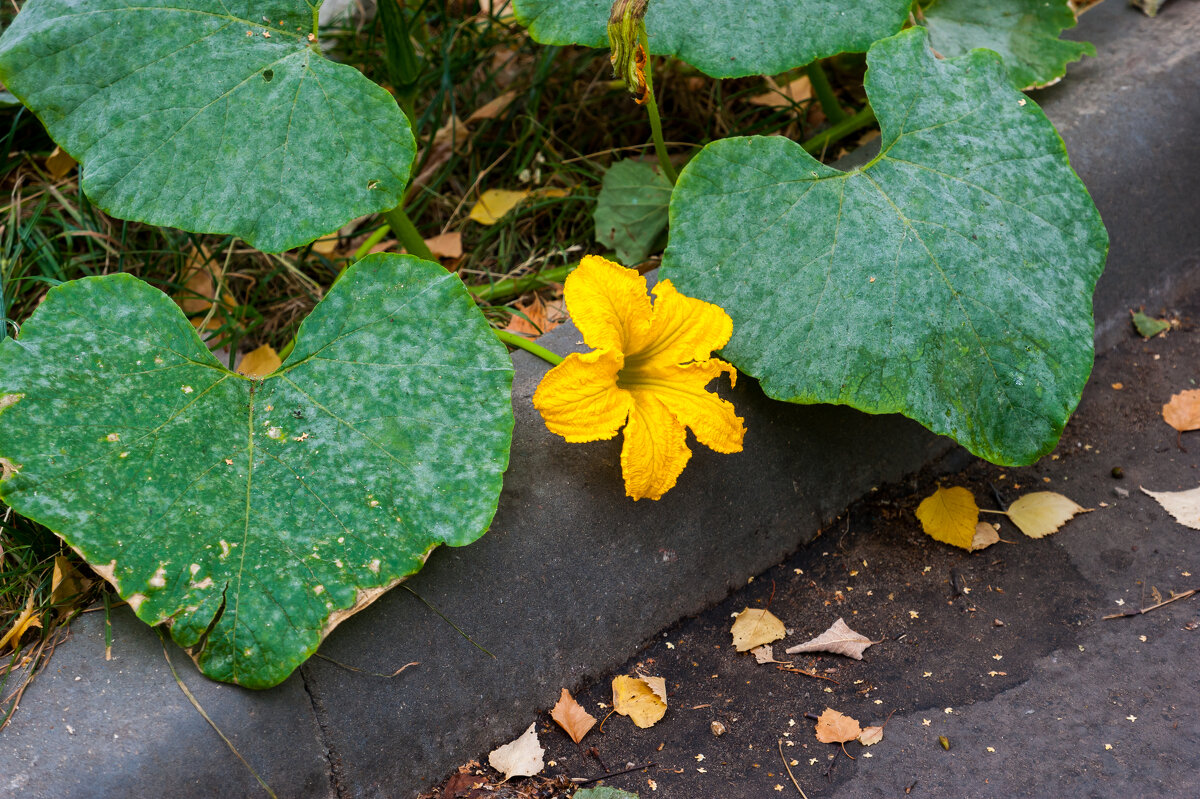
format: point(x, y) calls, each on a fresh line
point(1041, 513)
point(754, 627)
point(571, 716)
point(493, 204)
point(259, 363)
point(326, 246)
point(642, 699)
point(950, 515)
point(66, 583)
point(28, 618)
point(199, 277)
point(59, 164)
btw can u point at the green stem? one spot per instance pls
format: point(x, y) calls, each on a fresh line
point(820, 84)
point(371, 241)
point(513, 286)
point(660, 146)
point(840, 131)
point(316, 9)
point(407, 233)
point(521, 343)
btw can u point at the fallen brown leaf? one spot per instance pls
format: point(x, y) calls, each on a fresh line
point(200, 276)
point(836, 728)
point(643, 699)
point(446, 245)
point(766, 654)
point(870, 736)
point(794, 92)
point(492, 108)
point(522, 757)
point(754, 627)
point(985, 536)
point(838, 639)
point(571, 716)
point(66, 583)
point(1183, 411)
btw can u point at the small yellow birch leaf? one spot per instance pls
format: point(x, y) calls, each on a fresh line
point(754, 627)
point(259, 363)
point(985, 536)
point(28, 618)
point(493, 204)
point(836, 728)
point(571, 716)
point(950, 515)
point(870, 736)
point(522, 757)
point(1041, 513)
point(635, 698)
point(59, 164)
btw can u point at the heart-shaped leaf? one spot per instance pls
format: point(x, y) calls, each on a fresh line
point(631, 210)
point(727, 38)
point(1024, 33)
point(949, 280)
point(253, 516)
point(215, 117)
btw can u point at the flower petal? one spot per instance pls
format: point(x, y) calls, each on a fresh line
point(683, 329)
point(710, 418)
point(608, 303)
point(655, 449)
point(579, 398)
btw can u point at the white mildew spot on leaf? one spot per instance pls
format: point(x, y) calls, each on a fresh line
point(275, 433)
point(113, 437)
point(159, 579)
point(136, 601)
point(186, 389)
point(224, 548)
point(9, 399)
point(194, 569)
point(205, 583)
point(374, 566)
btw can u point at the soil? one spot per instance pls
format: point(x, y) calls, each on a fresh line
point(954, 629)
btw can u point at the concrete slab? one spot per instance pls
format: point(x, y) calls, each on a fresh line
point(573, 578)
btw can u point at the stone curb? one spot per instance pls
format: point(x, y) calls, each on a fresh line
point(573, 577)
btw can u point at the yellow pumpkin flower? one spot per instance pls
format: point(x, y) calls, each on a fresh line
point(647, 371)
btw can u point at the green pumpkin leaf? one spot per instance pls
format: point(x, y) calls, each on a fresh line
point(214, 117)
point(726, 38)
point(254, 516)
point(949, 280)
point(631, 211)
point(1024, 32)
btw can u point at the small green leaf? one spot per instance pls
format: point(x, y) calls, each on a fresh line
point(727, 38)
point(252, 516)
point(214, 117)
point(949, 280)
point(1148, 326)
point(1024, 32)
point(631, 210)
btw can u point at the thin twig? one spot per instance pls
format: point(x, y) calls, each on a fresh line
point(364, 671)
point(581, 781)
point(211, 723)
point(1129, 613)
point(794, 670)
point(789, 770)
point(452, 624)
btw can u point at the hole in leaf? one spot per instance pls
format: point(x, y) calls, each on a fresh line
point(372, 184)
point(268, 74)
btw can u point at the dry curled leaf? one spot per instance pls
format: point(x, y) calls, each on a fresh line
point(29, 618)
point(836, 728)
point(985, 536)
point(571, 716)
point(1183, 410)
point(643, 699)
point(59, 164)
point(67, 583)
point(950, 515)
point(766, 654)
point(1041, 513)
point(838, 639)
point(870, 736)
point(522, 757)
point(1183, 505)
point(754, 627)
